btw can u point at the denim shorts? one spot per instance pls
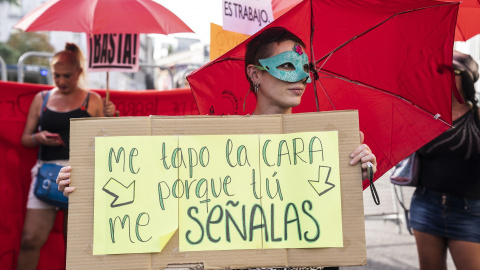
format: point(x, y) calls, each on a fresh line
point(445, 215)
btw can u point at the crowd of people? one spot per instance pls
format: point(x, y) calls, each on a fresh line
point(445, 210)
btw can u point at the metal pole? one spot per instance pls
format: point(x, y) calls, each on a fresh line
point(4, 69)
point(22, 59)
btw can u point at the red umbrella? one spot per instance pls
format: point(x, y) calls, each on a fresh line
point(103, 16)
point(468, 22)
point(391, 60)
point(279, 7)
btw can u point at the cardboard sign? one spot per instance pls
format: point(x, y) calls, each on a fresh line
point(221, 41)
point(246, 16)
point(113, 52)
point(195, 132)
point(221, 191)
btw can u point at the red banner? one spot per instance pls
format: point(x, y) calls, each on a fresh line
point(16, 160)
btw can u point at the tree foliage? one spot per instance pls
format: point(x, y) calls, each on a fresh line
point(9, 54)
point(15, 2)
point(21, 42)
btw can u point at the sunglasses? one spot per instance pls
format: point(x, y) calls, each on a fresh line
point(269, 35)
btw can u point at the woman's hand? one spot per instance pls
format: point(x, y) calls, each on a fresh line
point(109, 109)
point(364, 155)
point(63, 181)
point(47, 138)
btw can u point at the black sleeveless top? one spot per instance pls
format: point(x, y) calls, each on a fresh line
point(450, 163)
point(59, 122)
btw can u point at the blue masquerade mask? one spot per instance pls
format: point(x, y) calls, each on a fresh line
point(289, 66)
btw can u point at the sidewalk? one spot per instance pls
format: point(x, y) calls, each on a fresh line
point(389, 247)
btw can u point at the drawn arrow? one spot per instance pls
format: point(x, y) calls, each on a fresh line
point(124, 195)
point(322, 187)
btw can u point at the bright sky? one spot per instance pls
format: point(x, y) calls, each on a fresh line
point(197, 14)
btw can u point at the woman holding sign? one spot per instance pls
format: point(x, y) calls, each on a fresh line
point(48, 127)
point(277, 70)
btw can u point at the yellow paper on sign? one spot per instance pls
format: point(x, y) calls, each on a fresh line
point(221, 41)
point(302, 199)
point(214, 213)
point(131, 214)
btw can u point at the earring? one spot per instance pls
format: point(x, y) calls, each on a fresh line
point(255, 87)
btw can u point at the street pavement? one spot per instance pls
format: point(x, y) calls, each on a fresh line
point(389, 244)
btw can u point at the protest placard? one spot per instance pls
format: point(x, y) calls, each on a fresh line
point(221, 41)
point(215, 147)
point(222, 192)
point(246, 16)
point(113, 52)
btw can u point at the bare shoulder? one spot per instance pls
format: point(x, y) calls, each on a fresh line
point(38, 99)
point(95, 107)
point(95, 97)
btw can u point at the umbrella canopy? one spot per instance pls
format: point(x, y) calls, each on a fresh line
point(103, 16)
point(279, 7)
point(468, 22)
point(391, 60)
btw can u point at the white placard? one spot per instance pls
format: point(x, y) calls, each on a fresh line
point(246, 16)
point(113, 52)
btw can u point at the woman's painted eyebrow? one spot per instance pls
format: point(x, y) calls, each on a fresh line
point(64, 75)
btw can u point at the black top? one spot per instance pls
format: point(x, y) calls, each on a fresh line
point(59, 122)
point(450, 163)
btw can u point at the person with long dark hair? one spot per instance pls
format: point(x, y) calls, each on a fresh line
point(445, 208)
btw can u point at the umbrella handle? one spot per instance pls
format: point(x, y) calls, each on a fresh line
point(376, 199)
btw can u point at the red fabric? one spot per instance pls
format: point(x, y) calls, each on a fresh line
point(103, 16)
point(16, 160)
point(279, 7)
point(468, 22)
point(399, 50)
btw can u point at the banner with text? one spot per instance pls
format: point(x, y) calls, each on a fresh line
point(222, 192)
point(246, 16)
point(113, 52)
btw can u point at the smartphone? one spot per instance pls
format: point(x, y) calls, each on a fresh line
point(56, 137)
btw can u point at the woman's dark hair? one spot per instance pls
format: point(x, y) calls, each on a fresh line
point(466, 66)
point(260, 47)
point(469, 94)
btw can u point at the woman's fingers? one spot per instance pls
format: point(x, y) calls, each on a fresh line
point(63, 180)
point(360, 152)
point(68, 190)
point(364, 155)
